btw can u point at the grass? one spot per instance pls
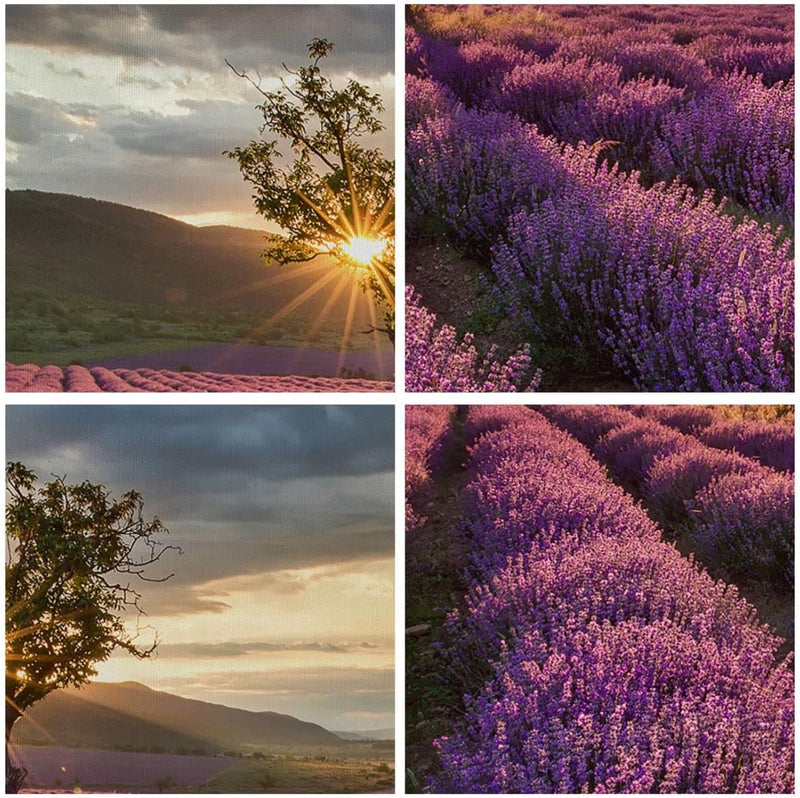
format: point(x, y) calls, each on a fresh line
point(770, 414)
point(65, 357)
point(286, 773)
point(44, 328)
point(492, 24)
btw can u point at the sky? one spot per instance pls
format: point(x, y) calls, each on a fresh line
point(135, 104)
point(283, 596)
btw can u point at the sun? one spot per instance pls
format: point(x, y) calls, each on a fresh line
point(363, 249)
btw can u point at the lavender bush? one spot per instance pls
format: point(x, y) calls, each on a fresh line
point(747, 525)
point(673, 265)
point(427, 436)
point(770, 444)
point(437, 360)
point(736, 139)
point(595, 658)
point(626, 707)
point(738, 513)
point(686, 418)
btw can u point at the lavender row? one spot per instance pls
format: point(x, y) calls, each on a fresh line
point(428, 431)
point(438, 360)
point(555, 27)
point(770, 444)
point(739, 514)
point(627, 708)
point(663, 110)
point(755, 39)
point(618, 666)
point(54, 379)
point(679, 294)
point(505, 509)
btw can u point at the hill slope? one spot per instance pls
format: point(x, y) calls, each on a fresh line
point(131, 715)
point(86, 246)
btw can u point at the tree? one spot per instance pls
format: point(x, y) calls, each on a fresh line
point(71, 551)
point(336, 197)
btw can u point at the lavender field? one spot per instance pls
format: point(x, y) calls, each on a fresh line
point(98, 379)
point(600, 599)
point(600, 190)
point(81, 770)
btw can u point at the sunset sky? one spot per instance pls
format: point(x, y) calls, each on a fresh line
point(283, 597)
point(134, 104)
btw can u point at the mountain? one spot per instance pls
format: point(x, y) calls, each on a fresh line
point(370, 734)
point(130, 715)
point(78, 245)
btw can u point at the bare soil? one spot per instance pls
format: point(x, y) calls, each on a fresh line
point(455, 288)
point(436, 564)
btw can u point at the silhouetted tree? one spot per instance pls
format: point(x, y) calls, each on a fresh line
point(336, 197)
point(71, 551)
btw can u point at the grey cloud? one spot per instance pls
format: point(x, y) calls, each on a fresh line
point(214, 556)
point(95, 167)
point(243, 490)
point(204, 132)
point(277, 443)
point(100, 29)
point(252, 36)
point(133, 80)
point(30, 120)
point(151, 160)
point(177, 599)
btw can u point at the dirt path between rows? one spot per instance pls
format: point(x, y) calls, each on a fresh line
point(436, 582)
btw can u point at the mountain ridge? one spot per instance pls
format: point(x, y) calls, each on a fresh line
point(134, 716)
point(83, 245)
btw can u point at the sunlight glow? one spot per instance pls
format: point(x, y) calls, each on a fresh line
point(363, 249)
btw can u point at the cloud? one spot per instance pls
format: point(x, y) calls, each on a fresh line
point(203, 132)
point(167, 105)
point(136, 80)
point(243, 490)
point(253, 37)
point(196, 587)
point(74, 72)
point(232, 444)
point(312, 679)
point(32, 120)
point(232, 649)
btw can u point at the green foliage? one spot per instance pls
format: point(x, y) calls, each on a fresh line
point(17, 339)
point(71, 552)
point(334, 188)
point(110, 331)
point(485, 317)
point(267, 781)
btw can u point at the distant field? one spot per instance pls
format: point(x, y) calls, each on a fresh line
point(89, 280)
point(250, 359)
point(116, 771)
point(303, 775)
point(209, 356)
point(356, 768)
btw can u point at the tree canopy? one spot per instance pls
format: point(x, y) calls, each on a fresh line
point(72, 552)
point(336, 197)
